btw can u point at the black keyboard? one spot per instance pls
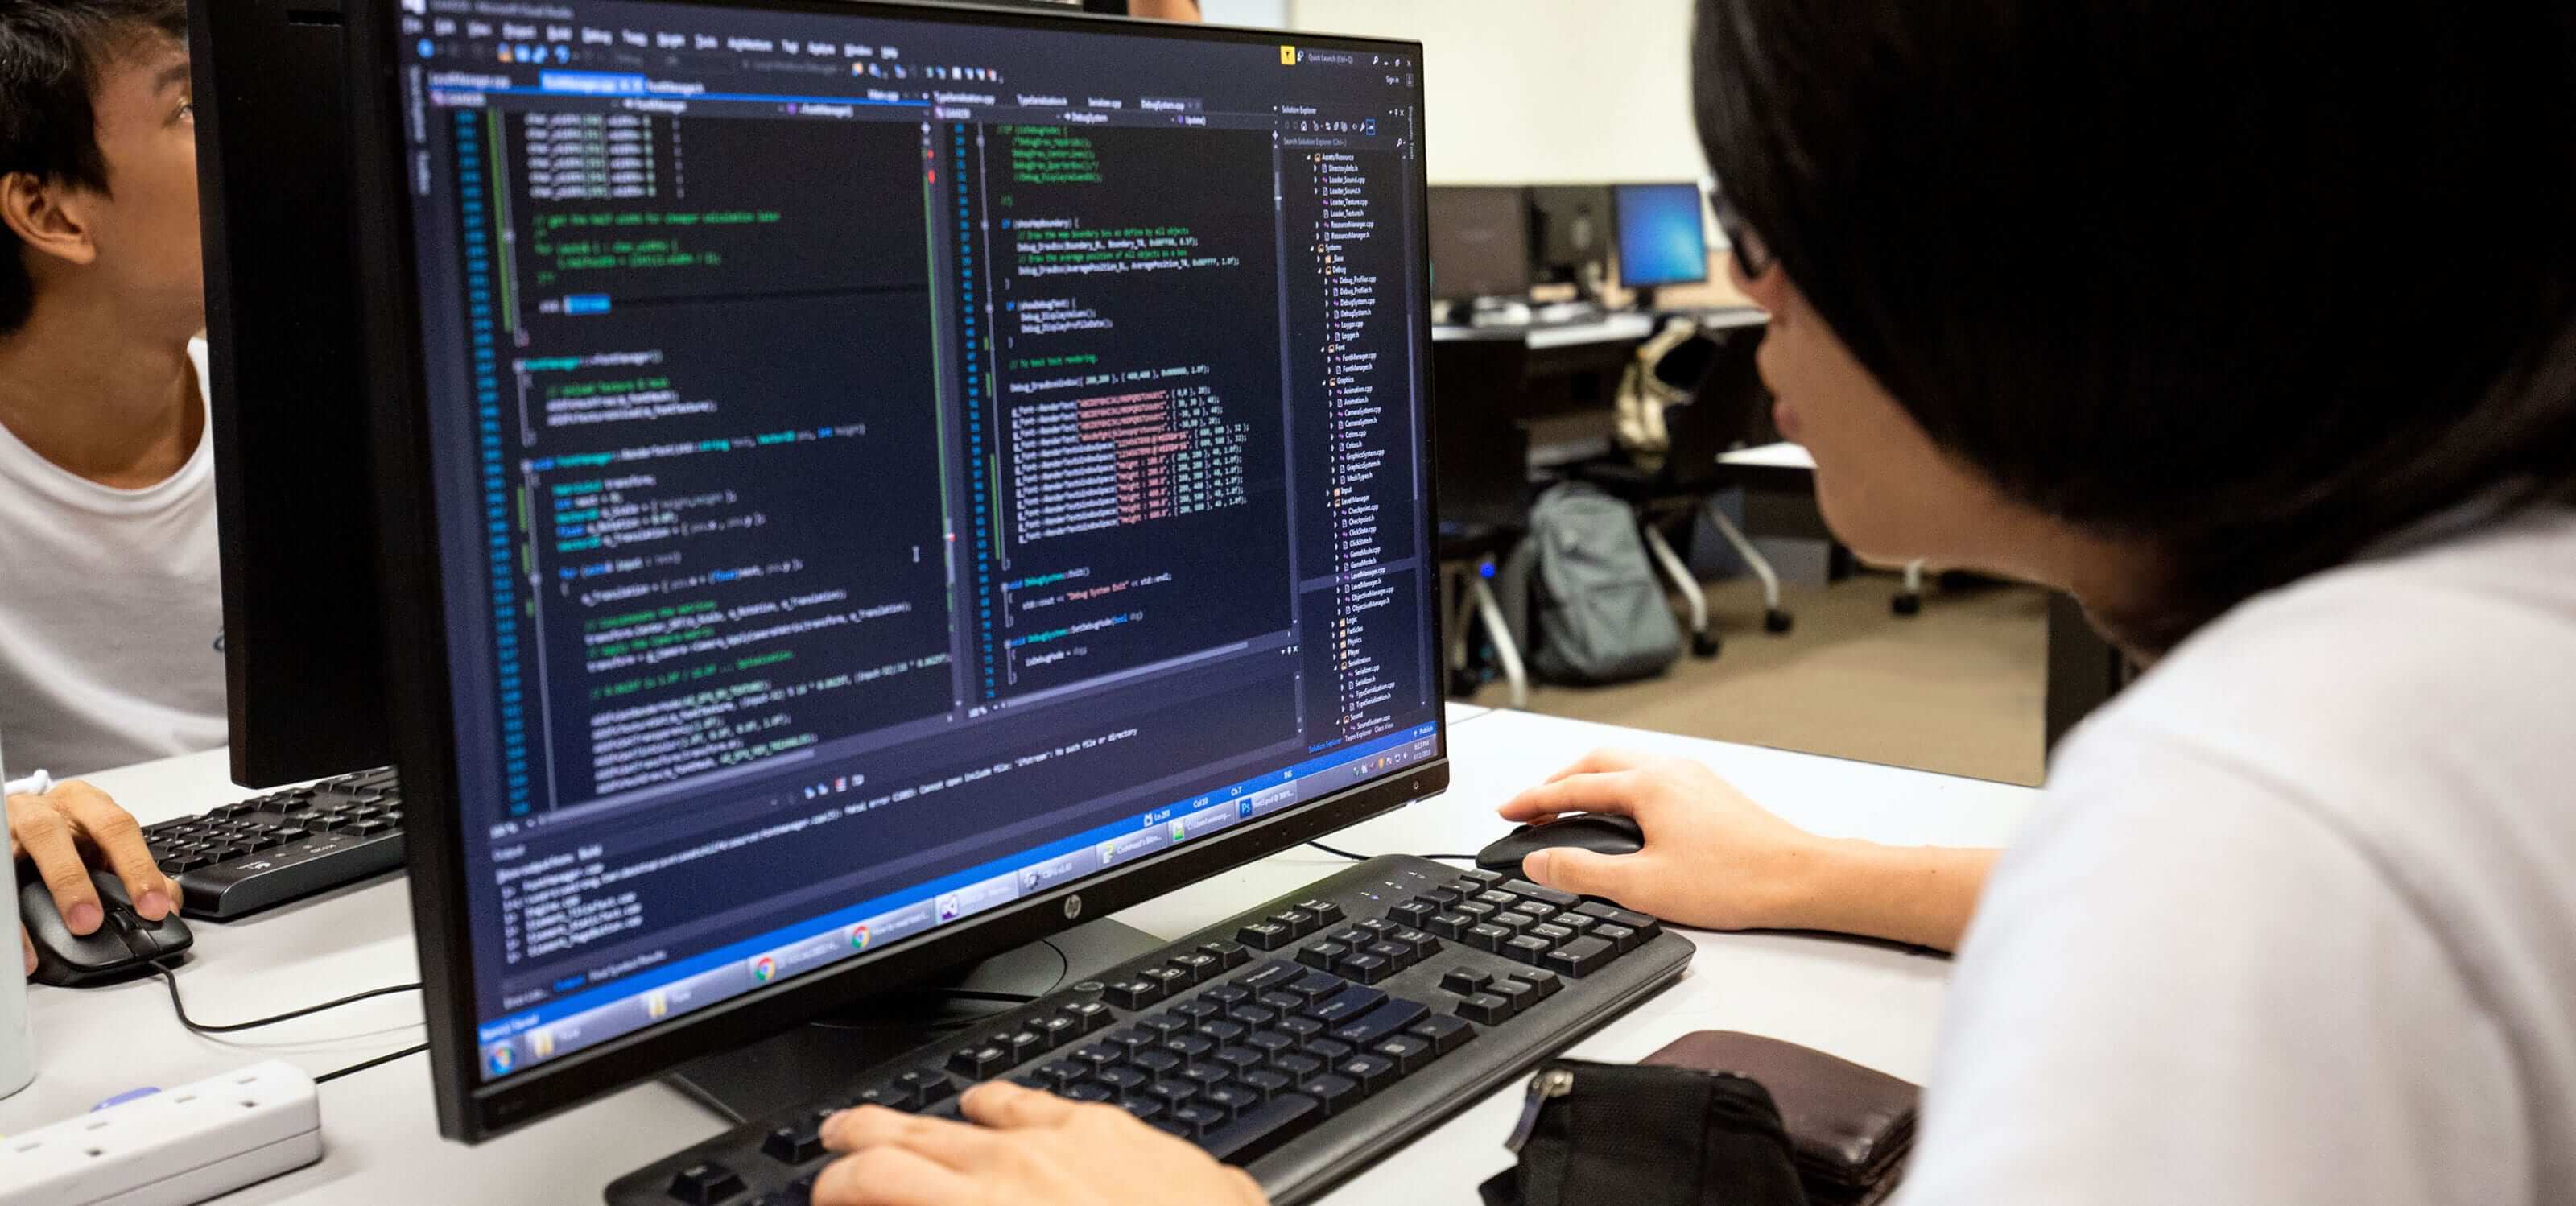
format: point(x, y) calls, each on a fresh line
point(284, 846)
point(1302, 1040)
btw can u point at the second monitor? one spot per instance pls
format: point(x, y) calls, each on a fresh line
point(1663, 239)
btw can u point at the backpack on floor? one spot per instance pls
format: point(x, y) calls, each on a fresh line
point(1596, 611)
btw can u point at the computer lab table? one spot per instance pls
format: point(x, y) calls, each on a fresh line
point(1869, 1002)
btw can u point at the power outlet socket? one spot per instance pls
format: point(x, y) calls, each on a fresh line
point(171, 1148)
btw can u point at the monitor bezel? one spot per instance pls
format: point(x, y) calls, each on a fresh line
point(416, 650)
point(1619, 233)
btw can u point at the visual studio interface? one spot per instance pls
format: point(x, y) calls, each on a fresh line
point(887, 467)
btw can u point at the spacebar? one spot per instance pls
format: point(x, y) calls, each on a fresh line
point(1258, 1132)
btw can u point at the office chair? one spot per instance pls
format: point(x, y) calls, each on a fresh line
point(1716, 369)
point(1480, 483)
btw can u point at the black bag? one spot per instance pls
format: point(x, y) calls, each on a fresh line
point(1646, 1135)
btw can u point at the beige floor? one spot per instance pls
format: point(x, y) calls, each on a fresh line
point(1955, 689)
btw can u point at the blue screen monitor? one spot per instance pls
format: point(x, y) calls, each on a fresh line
point(874, 485)
point(1662, 239)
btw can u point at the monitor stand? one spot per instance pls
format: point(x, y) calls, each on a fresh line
point(819, 1059)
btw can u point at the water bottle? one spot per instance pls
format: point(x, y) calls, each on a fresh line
point(17, 1046)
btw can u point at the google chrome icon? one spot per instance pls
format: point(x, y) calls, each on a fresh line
point(858, 937)
point(763, 970)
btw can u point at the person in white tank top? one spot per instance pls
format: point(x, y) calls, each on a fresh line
point(110, 601)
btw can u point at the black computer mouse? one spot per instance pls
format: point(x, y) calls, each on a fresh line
point(122, 947)
point(1599, 832)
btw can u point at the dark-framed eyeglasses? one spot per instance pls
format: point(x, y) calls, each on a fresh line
point(1752, 255)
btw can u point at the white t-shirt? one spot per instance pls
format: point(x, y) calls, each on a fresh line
point(2299, 925)
point(111, 613)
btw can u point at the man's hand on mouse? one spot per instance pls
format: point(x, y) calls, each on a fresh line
point(1713, 859)
point(61, 833)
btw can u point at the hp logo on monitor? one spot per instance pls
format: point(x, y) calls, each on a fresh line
point(1072, 907)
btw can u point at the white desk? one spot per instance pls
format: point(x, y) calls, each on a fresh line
point(1783, 455)
point(1869, 1003)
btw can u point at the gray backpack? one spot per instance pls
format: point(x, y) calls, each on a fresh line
point(1599, 611)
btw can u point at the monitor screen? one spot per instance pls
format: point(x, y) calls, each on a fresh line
point(1479, 241)
point(887, 464)
point(1661, 237)
point(1571, 229)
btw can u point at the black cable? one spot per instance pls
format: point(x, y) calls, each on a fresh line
point(362, 1066)
point(1337, 852)
point(172, 980)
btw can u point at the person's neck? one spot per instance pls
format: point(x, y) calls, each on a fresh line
point(96, 394)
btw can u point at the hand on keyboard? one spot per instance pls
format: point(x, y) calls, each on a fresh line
point(1030, 1149)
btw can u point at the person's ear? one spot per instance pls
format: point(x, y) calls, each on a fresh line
point(46, 218)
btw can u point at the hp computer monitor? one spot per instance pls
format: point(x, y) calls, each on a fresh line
point(868, 487)
point(1479, 241)
point(1662, 237)
point(303, 659)
point(1570, 232)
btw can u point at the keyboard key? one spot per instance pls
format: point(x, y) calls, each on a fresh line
point(1464, 980)
point(1131, 1039)
point(1164, 1026)
point(1055, 1030)
point(1300, 922)
point(1581, 957)
point(1325, 911)
point(1328, 1050)
point(892, 1097)
point(1173, 1093)
point(980, 1062)
point(1413, 912)
point(1144, 1108)
point(1261, 1130)
point(1364, 968)
point(1407, 1052)
point(1274, 974)
point(1621, 938)
point(1515, 922)
point(1545, 983)
point(1241, 1059)
point(1553, 933)
point(1228, 955)
point(1100, 1055)
point(1500, 900)
point(1061, 1074)
point(1200, 968)
point(1377, 925)
point(1268, 1082)
point(1133, 993)
point(1387, 1019)
point(1227, 995)
point(1354, 937)
point(1370, 1072)
point(1265, 935)
point(1284, 1002)
point(1528, 948)
point(1331, 1092)
point(1422, 943)
point(928, 1085)
point(1090, 1091)
point(1450, 925)
point(1222, 1032)
point(1619, 916)
point(1155, 1063)
point(1207, 1076)
point(1123, 1080)
point(1577, 922)
point(1529, 891)
point(1346, 1005)
point(1270, 1044)
point(705, 1183)
point(1474, 910)
point(1518, 994)
point(1316, 987)
point(1398, 956)
point(1093, 1015)
point(793, 1144)
point(1485, 1008)
point(1443, 897)
point(1172, 979)
point(1444, 1033)
point(1321, 955)
point(1198, 1009)
point(1252, 1016)
point(1189, 1047)
point(1297, 1064)
point(1199, 1119)
point(1486, 937)
point(1481, 877)
point(1024, 1045)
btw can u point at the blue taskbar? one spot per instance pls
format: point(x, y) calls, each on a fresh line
point(586, 1019)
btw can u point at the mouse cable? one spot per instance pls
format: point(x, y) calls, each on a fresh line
point(202, 1028)
point(363, 1065)
point(1337, 852)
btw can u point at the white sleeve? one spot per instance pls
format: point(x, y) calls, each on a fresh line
point(2186, 986)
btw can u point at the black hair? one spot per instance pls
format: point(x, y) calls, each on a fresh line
point(52, 54)
point(2253, 284)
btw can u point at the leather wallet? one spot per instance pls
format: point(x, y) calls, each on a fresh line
point(1849, 1127)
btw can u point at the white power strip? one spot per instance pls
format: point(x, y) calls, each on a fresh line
point(172, 1148)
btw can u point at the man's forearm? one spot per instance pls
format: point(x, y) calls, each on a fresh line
point(1918, 894)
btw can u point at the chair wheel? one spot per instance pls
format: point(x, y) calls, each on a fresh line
point(1705, 644)
point(1776, 621)
point(1905, 605)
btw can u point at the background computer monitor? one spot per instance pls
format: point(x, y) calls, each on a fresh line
point(1663, 238)
point(303, 657)
point(743, 668)
point(1571, 230)
point(1479, 241)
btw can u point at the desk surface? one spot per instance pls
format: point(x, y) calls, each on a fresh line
point(1866, 1002)
point(1783, 455)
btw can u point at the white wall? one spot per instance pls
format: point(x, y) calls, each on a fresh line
point(1534, 91)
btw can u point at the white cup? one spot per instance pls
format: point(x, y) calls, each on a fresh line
point(17, 1045)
